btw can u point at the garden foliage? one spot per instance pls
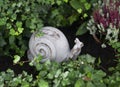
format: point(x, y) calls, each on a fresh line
point(104, 24)
point(105, 21)
point(78, 73)
point(19, 18)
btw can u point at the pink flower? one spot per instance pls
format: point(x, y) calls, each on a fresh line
point(109, 15)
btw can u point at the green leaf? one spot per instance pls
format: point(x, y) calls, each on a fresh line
point(32, 26)
point(56, 82)
point(65, 74)
point(87, 6)
point(85, 15)
point(13, 5)
point(98, 75)
point(99, 61)
point(82, 29)
point(13, 17)
point(75, 4)
point(43, 73)
point(16, 33)
point(88, 70)
point(117, 45)
point(31, 63)
point(43, 83)
point(25, 84)
point(66, 1)
point(1, 2)
point(12, 32)
point(111, 69)
point(27, 9)
point(118, 50)
point(28, 23)
point(79, 83)
point(90, 59)
point(83, 1)
point(38, 66)
point(16, 59)
point(90, 84)
point(9, 25)
point(79, 10)
point(23, 17)
point(11, 39)
point(59, 2)
point(101, 73)
point(2, 21)
point(58, 72)
point(19, 24)
point(72, 18)
point(2, 42)
point(50, 76)
point(20, 30)
point(65, 82)
point(19, 4)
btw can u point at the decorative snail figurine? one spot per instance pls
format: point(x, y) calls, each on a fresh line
point(53, 45)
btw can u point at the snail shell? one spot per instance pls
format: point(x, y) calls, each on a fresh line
point(52, 45)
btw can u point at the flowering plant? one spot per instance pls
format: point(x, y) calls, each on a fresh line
point(105, 20)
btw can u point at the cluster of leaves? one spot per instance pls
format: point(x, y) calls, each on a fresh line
point(8, 79)
point(83, 8)
point(105, 23)
point(19, 18)
point(105, 20)
point(114, 79)
point(66, 12)
point(116, 47)
point(78, 73)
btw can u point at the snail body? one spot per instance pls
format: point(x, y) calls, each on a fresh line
point(53, 45)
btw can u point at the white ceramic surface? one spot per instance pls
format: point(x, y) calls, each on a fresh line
point(53, 45)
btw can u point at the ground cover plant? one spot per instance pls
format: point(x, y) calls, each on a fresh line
point(19, 18)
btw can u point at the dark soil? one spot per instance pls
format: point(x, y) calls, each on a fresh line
point(90, 47)
point(93, 48)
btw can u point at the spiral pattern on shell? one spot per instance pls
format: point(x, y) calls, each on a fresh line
point(53, 45)
point(42, 46)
